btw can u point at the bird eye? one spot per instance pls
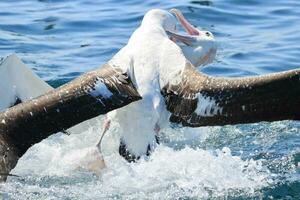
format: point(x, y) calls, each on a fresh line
point(207, 34)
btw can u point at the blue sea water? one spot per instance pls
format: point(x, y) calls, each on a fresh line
point(61, 39)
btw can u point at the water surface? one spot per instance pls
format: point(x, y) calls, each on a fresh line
point(61, 39)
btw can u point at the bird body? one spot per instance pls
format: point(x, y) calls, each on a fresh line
point(141, 58)
point(153, 61)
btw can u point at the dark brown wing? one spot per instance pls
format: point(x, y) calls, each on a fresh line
point(201, 100)
point(88, 96)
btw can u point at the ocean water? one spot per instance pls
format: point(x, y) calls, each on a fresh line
point(61, 39)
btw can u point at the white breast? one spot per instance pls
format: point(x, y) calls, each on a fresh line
point(137, 120)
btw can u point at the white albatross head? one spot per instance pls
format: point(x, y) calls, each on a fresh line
point(199, 46)
point(160, 17)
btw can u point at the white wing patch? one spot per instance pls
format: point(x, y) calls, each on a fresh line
point(100, 89)
point(207, 106)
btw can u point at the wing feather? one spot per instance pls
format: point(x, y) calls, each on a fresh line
point(201, 100)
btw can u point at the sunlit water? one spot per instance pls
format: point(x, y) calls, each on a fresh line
point(61, 39)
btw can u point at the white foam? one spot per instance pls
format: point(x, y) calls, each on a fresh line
point(52, 166)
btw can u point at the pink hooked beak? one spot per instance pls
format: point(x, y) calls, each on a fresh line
point(185, 24)
point(192, 31)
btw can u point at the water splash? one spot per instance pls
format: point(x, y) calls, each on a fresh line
point(50, 168)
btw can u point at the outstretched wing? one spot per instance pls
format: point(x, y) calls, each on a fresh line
point(201, 100)
point(18, 83)
point(88, 96)
point(94, 93)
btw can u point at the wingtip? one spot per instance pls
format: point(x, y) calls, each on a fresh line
point(11, 58)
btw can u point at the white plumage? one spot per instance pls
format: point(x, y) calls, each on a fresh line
point(143, 53)
point(155, 60)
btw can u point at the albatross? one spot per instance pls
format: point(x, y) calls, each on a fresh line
point(146, 56)
point(149, 82)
